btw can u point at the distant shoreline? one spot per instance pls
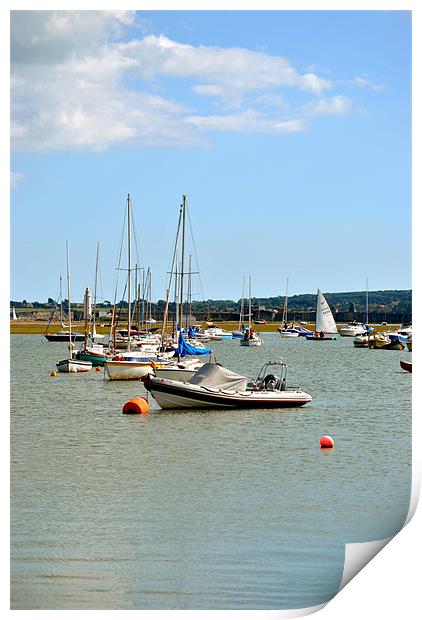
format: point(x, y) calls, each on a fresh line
point(40, 327)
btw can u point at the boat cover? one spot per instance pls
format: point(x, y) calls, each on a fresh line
point(185, 348)
point(215, 376)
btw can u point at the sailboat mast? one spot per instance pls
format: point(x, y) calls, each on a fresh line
point(182, 268)
point(61, 302)
point(128, 271)
point(250, 304)
point(189, 293)
point(95, 291)
point(242, 304)
point(68, 296)
point(285, 302)
point(86, 319)
point(173, 262)
point(367, 305)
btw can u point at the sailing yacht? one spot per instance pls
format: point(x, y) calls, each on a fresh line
point(287, 331)
point(325, 325)
point(250, 338)
point(129, 364)
point(71, 364)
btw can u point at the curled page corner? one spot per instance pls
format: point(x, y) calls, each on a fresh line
point(299, 613)
point(357, 555)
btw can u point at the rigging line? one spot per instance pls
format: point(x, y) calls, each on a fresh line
point(120, 258)
point(135, 238)
point(201, 288)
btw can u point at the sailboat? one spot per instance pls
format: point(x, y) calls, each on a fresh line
point(62, 335)
point(250, 338)
point(129, 364)
point(239, 333)
point(93, 352)
point(325, 325)
point(286, 331)
point(182, 369)
point(14, 317)
point(71, 364)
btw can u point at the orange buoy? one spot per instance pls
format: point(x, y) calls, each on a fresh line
point(53, 373)
point(139, 404)
point(97, 369)
point(326, 442)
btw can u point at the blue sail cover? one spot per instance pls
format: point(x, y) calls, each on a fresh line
point(185, 348)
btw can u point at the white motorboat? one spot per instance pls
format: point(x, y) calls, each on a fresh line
point(288, 332)
point(361, 340)
point(216, 333)
point(216, 387)
point(353, 329)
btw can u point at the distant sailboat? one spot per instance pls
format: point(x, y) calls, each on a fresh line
point(285, 331)
point(14, 317)
point(71, 364)
point(325, 325)
point(250, 338)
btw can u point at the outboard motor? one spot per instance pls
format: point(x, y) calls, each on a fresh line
point(270, 382)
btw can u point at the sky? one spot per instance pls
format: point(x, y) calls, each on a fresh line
point(288, 131)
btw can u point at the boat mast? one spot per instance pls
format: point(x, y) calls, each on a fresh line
point(61, 303)
point(86, 319)
point(189, 293)
point(285, 302)
point(242, 304)
point(367, 305)
point(128, 272)
point(68, 298)
point(250, 304)
point(95, 293)
point(182, 267)
point(173, 262)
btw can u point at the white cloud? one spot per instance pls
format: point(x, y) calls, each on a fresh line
point(234, 68)
point(246, 121)
point(337, 105)
point(365, 83)
point(77, 84)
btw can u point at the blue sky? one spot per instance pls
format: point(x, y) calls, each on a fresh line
point(289, 132)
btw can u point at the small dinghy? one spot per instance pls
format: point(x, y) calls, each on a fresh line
point(214, 386)
point(406, 365)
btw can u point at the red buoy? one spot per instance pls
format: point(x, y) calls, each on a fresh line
point(97, 369)
point(139, 404)
point(326, 442)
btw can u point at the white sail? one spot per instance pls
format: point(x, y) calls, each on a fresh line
point(14, 317)
point(324, 318)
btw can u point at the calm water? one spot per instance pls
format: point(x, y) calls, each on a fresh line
point(202, 510)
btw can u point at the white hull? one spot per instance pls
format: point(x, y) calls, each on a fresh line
point(178, 372)
point(177, 395)
point(361, 341)
point(126, 371)
point(287, 334)
point(352, 330)
point(71, 366)
point(254, 342)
